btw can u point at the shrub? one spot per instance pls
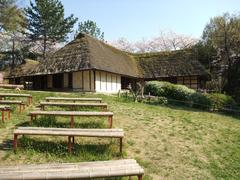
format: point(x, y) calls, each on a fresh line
point(166, 89)
point(214, 101)
point(221, 101)
point(200, 100)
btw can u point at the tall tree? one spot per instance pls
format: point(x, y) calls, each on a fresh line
point(222, 33)
point(12, 24)
point(90, 27)
point(46, 23)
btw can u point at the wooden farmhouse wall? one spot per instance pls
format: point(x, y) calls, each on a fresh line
point(83, 81)
point(189, 81)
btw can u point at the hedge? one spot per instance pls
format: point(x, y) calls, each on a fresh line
point(213, 101)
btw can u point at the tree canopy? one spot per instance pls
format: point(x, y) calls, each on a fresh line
point(223, 35)
point(46, 23)
point(90, 27)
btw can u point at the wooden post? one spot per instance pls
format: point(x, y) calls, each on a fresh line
point(8, 114)
point(110, 121)
point(69, 144)
point(20, 108)
point(72, 122)
point(31, 119)
point(15, 142)
point(3, 116)
point(121, 145)
point(30, 100)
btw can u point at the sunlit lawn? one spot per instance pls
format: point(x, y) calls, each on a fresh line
point(169, 142)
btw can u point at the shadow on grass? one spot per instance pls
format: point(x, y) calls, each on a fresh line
point(50, 121)
point(6, 145)
point(178, 106)
point(86, 151)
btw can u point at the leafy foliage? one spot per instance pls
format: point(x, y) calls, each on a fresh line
point(46, 22)
point(166, 89)
point(213, 101)
point(90, 27)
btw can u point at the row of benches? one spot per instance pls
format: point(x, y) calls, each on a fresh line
point(88, 170)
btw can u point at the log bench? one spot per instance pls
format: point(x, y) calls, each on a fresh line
point(69, 132)
point(11, 86)
point(72, 105)
point(19, 103)
point(5, 109)
point(82, 170)
point(48, 99)
point(29, 96)
point(72, 114)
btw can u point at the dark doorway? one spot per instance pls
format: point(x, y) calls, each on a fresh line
point(70, 80)
point(58, 81)
point(126, 81)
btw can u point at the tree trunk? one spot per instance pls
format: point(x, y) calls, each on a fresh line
point(13, 53)
point(44, 47)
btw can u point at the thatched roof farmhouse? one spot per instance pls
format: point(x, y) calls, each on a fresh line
point(87, 64)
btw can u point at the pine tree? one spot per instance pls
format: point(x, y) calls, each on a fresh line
point(46, 23)
point(90, 27)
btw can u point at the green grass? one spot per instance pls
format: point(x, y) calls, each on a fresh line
point(170, 142)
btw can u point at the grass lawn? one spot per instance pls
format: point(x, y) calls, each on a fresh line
point(169, 142)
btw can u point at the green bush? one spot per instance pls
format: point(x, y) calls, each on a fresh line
point(213, 101)
point(166, 89)
point(200, 100)
point(221, 101)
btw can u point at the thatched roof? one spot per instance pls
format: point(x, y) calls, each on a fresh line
point(24, 69)
point(170, 64)
point(86, 53)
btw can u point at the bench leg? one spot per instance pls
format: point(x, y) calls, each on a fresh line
point(15, 142)
point(31, 119)
point(72, 122)
point(42, 107)
point(140, 177)
point(69, 144)
point(3, 116)
point(20, 108)
point(121, 139)
point(73, 140)
point(30, 100)
point(8, 115)
point(110, 121)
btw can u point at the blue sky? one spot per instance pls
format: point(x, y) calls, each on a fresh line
point(135, 19)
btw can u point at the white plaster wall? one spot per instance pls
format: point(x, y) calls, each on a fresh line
point(107, 82)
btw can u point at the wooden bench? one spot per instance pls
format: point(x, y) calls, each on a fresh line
point(72, 114)
point(11, 86)
point(29, 96)
point(70, 132)
point(82, 170)
point(4, 109)
point(48, 99)
point(72, 105)
point(19, 103)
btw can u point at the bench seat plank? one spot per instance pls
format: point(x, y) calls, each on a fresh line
point(73, 99)
point(70, 132)
point(70, 113)
point(14, 95)
point(72, 104)
point(84, 170)
point(10, 102)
